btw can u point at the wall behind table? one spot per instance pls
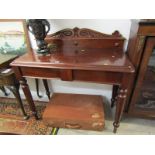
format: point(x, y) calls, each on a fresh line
point(101, 25)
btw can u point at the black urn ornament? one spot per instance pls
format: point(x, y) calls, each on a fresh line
point(39, 28)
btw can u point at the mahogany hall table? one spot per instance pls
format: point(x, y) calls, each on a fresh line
point(102, 68)
point(100, 60)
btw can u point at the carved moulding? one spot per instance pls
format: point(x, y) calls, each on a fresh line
point(82, 33)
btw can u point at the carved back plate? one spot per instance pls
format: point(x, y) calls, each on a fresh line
point(69, 40)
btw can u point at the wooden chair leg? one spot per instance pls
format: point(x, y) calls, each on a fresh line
point(37, 88)
point(15, 91)
point(4, 91)
point(46, 88)
point(114, 95)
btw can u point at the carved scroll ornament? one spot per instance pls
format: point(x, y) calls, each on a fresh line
point(82, 33)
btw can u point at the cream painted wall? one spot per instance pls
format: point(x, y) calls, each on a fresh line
point(101, 25)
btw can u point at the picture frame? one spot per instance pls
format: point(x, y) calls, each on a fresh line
point(14, 38)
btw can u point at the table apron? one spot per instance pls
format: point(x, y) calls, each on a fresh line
point(71, 75)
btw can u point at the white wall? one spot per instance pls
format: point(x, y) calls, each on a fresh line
point(101, 25)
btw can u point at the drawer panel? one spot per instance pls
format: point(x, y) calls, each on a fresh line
point(40, 72)
point(97, 76)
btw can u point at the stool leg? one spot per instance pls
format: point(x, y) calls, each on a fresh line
point(3, 90)
point(15, 91)
point(114, 95)
point(46, 88)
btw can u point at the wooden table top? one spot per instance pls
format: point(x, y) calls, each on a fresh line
point(90, 59)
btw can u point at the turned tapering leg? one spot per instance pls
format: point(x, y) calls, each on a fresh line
point(114, 95)
point(46, 88)
point(28, 96)
point(26, 90)
point(121, 99)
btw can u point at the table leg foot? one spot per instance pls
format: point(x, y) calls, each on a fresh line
point(115, 130)
point(36, 116)
point(26, 117)
point(116, 125)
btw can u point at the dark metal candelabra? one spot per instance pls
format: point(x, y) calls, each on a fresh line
point(39, 28)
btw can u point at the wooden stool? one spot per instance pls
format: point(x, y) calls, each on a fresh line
point(8, 79)
point(75, 111)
